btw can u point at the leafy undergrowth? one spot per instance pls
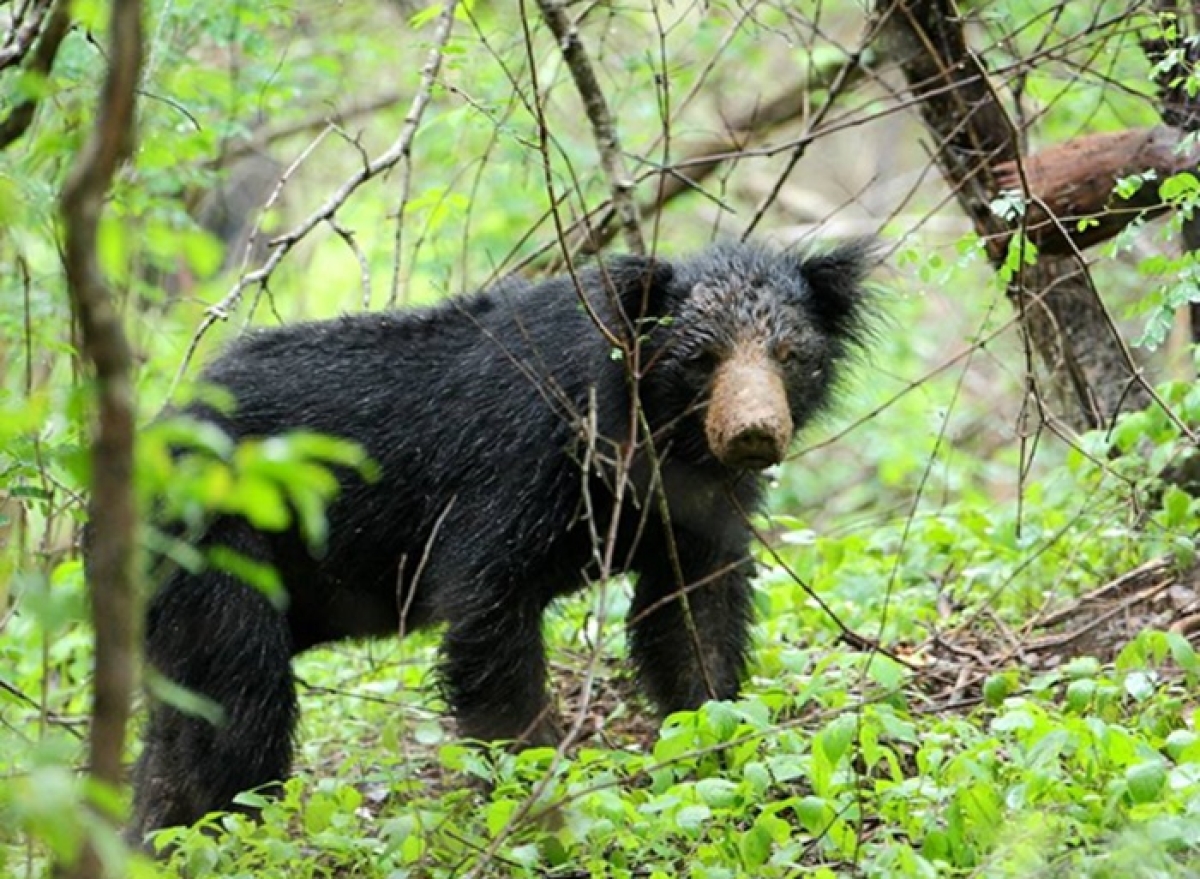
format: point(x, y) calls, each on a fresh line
point(966, 693)
point(969, 688)
point(836, 763)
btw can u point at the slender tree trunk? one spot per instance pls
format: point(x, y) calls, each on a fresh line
point(110, 569)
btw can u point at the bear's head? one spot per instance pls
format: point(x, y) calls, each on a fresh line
point(740, 346)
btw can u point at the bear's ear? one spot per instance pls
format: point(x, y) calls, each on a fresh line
point(835, 296)
point(641, 284)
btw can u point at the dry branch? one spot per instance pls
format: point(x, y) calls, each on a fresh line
point(1092, 375)
point(604, 129)
point(110, 570)
point(1073, 181)
point(20, 117)
point(1149, 577)
point(397, 152)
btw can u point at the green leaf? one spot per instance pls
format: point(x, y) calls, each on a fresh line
point(835, 740)
point(498, 814)
point(262, 503)
point(1179, 187)
point(262, 577)
point(754, 846)
point(998, 687)
point(318, 815)
point(757, 777)
point(1017, 719)
point(785, 767)
point(720, 719)
point(1146, 781)
point(1080, 695)
point(422, 17)
point(1139, 685)
point(1183, 745)
point(693, 818)
point(717, 792)
point(1177, 505)
point(886, 672)
point(936, 846)
point(1082, 667)
point(1183, 653)
point(814, 813)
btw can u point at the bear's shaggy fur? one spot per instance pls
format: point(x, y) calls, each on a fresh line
point(530, 438)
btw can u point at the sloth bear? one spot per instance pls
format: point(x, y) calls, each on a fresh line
point(529, 439)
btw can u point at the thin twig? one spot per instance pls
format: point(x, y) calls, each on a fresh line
point(267, 135)
point(364, 268)
point(283, 244)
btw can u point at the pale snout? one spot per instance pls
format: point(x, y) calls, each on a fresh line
point(748, 424)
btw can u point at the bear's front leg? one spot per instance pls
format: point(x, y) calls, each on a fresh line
point(689, 626)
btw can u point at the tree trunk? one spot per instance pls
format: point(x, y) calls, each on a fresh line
point(1088, 370)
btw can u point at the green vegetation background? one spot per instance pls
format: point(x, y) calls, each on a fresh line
point(927, 510)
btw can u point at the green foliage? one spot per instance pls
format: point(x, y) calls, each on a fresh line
point(1176, 279)
point(931, 516)
point(194, 471)
point(778, 783)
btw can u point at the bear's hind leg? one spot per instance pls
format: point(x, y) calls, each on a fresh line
point(223, 640)
point(494, 672)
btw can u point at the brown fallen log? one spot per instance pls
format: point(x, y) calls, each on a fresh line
point(1074, 180)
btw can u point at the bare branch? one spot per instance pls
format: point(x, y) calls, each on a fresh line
point(22, 34)
point(604, 129)
point(267, 135)
point(18, 120)
point(703, 158)
point(842, 80)
point(113, 514)
point(399, 150)
point(364, 268)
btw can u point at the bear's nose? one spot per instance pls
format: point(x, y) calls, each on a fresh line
point(748, 424)
point(754, 448)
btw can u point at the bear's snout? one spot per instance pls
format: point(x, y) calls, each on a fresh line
point(748, 425)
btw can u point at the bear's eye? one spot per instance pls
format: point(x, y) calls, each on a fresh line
point(788, 355)
point(703, 360)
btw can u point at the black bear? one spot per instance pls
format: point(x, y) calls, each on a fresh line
point(529, 438)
